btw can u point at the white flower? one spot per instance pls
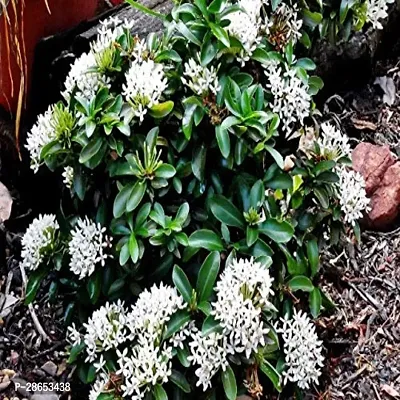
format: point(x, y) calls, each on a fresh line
point(73, 335)
point(352, 195)
point(99, 386)
point(285, 25)
point(303, 350)
point(105, 330)
point(153, 310)
point(100, 363)
point(202, 80)
point(38, 241)
point(246, 26)
point(244, 289)
point(68, 176)
point(147, 363)
point(291, 100)
point(332, 143)
point(86, 247)
point(209, 353)
point(145, 83)
point(84, 78)
point(376, 11)
point(41, 134)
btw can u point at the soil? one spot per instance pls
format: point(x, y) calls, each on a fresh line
point(361, 336)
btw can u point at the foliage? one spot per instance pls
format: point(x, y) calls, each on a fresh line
point(183, 148)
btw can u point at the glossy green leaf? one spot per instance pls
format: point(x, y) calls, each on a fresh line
point(207, 275)
point(279, 232)
point(206, 239)
point(136, 196)
point(161, 110)
point(90, 150)
point(182, 284)
point(273, 375)
point(313, 256)
point(302, 283)
point(159, 393)
point(225, 211)
point(315, 301)
point(223, 140)
point(176, 322)
point(229, 383)
point(180, 380)
point(33, 284)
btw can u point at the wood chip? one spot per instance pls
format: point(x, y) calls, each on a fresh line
point(362, 124)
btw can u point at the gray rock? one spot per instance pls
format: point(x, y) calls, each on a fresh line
point(50, 368)
point(20, 385)
point(45, 396)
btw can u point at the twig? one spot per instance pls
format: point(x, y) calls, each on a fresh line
point(355, 375)
point(35, 319)
point(367, 297)
point(376, 392)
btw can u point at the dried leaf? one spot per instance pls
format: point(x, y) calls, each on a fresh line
point(5, 203)
point(390, 391)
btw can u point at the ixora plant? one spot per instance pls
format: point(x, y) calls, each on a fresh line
point(196, 203)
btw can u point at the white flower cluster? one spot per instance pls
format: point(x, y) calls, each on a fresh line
point(201, 80)
point(377, 10)
point(38, 241)
point(303, 350)
point(110, 30)
point(332, 143)
point(105, 330)
point(246, 26)
point(68, 176)
point(210, 354)
point(285, 25)
point(145, 83)
point(352, 195)
point(147, 363)
point(84, 78)
point(86, 247)
point(291, 100)
point(244, 289)
point(42, 133)
point(99, 386)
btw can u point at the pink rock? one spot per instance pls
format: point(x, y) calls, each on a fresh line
point(385, 202)
point(372, 162)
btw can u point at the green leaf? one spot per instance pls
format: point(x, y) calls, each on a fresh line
point(276, 156)
point(322, 196)
point(165, 171)
point(161, 110)
point(116, 286)
point(207, 275)
point(279, 232)
point(33, 285)
point(121, 200)
point(94, 286)
point(208, 52)
point(182, 284)
point(133, 248)
point(229, 383)
point(176, 322)
point(75, 351)
point(220, 33)
point(257, 194)
point(273, 375)
point(216, 6)
point(315, 301)
point(225, 211)
point(302, 283)
point(313, 256)
point(199, 162)
point(136, 196)
point(210, 325)
point(180, 380)
point(183, 355)
point(186, 32)
point(90, 150)
point(223, 140)
point(251, 235)
point(159, 393)
point(145, 10)
point(86, 373)
point(206, 239)
point(306, 63)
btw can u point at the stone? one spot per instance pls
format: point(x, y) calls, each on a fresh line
point(381, 172)
point(45, 396)
point(20, 385)
point(50, 368)
point(385, 202)
point(372, 162)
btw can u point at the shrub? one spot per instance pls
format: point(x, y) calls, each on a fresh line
point(192, 217)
